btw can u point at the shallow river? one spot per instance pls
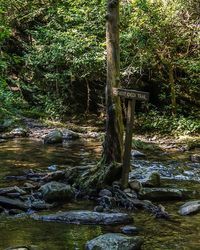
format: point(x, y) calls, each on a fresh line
point(17, 156)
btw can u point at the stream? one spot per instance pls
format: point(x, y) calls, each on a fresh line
point(19, 155)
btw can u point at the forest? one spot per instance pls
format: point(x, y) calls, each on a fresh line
point(99, 124)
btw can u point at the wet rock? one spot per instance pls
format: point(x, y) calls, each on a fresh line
point(19, 248)
point(105, 192)
point(12, 203)
point(161, 194)
point(19, 132)
point(14, 189)
point(87, 217)
point(29, 185)
point(53, 137)
point(55, 176)
point(53, 167)
point(70, 135)
point(113, 241)
point(135, 185)
point(99, 209)
point(190, 208)
point(55, 191)
point(195, 158)
point(40, 205)
point(137, 154)
point(13, 195)
point(15, 211)
point(152, 180)
point(2, 140)
point(130, 230)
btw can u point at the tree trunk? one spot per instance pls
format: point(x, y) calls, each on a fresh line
point(113, 144)
point(173, 91)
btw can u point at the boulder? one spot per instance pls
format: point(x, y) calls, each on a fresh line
point(161, 194)
point(130, 230)
point(105, 192)
point(53, 137)
point(19, 248)
point(70, 135)
point(114, 241)
point(152, 180)
point(19, 132)
point(190, 207)
point(87, 218)
point(137, 154)
point(12, 203)
point(56, 191)
point(135, 185)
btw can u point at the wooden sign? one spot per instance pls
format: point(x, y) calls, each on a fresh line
point(131, 94)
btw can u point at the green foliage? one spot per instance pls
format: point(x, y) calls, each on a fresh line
point(159, 123)
point(55, 52)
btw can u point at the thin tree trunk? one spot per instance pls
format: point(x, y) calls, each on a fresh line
point(173, 91)
point(113, 145)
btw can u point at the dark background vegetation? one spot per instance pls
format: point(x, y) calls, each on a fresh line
point(53, 60)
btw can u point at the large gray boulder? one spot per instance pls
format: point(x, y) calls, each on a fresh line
point(190, 207)
point(114, 241)
point(56, 191)
point(87, 218)
point(161, 194)
point(53, 137)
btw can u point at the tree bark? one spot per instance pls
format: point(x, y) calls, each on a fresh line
point(173, 91)
point(113, 144)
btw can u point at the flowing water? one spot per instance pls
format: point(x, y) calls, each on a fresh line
point(17, 156)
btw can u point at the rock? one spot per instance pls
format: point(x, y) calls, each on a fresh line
point(15, 211)
point(152, 180)
point(19, 132)
point(14, 189)
point(19, 248)
point(113, 241)
point(105, 192)
point(135, 185)
point(130, 230)
point(29, 185)
point(53, 137)
point(70, 135)
point(99, 209)
point(195, 158)
point(40, 205)
point(55, 176)
point(190, 207)
point(87, 217)
point(13, 195)
point(55, 191)
point(2, 140)
point(13, 203)
point(53, 167)
point(161, 194)
point(137, 154)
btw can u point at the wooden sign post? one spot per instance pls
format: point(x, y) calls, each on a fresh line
point(132, 96)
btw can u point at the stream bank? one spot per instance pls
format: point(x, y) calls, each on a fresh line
point(19, 156)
